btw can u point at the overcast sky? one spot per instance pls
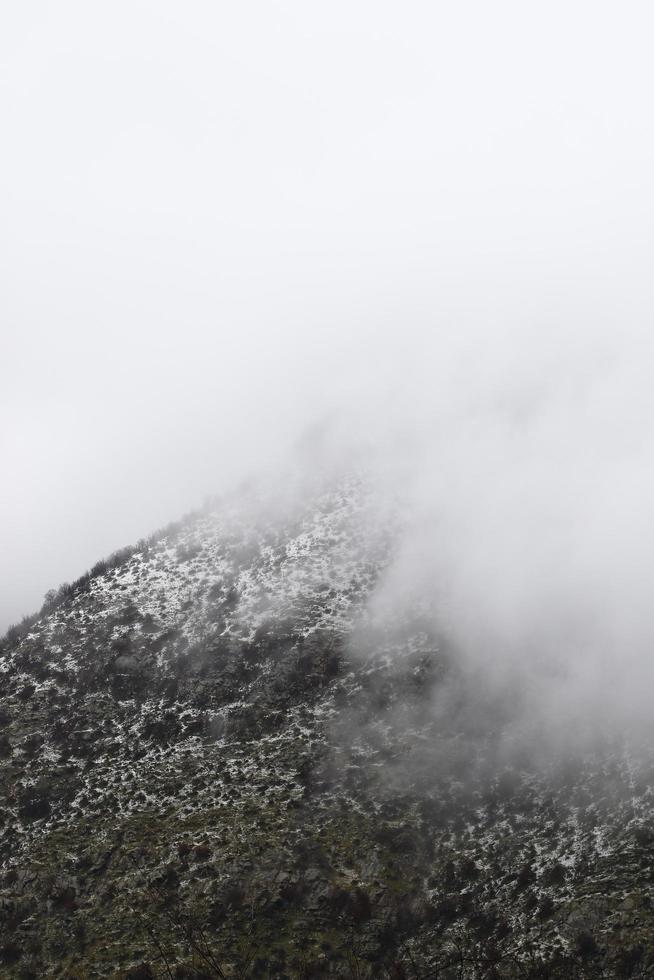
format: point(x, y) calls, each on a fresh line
point(220, 222)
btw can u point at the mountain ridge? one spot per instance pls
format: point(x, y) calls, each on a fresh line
point(216, 761)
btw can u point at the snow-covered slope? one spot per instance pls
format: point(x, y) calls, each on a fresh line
point(205, 772)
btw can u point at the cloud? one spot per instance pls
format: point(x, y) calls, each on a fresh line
point(523, 467)
point(222, 226)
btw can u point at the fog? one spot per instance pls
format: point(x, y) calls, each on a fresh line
point(428, 231)
point(526, 492)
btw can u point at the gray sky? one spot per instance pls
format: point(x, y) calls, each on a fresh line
point(221, 221)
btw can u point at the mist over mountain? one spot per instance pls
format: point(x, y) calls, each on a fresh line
point(223, 227)
point(359, 296)
point(260, 743)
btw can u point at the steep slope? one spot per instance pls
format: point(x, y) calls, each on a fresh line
point(214, 763)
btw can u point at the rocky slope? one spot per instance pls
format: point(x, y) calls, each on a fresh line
point(213, 763)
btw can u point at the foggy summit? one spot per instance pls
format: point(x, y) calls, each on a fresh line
point(360, 299)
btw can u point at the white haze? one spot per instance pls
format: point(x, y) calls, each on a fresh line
point(431, 226)
point(526, 481)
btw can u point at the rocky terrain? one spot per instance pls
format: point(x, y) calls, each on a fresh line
point(213, 763)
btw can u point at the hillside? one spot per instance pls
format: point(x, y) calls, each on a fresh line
point(215, 762)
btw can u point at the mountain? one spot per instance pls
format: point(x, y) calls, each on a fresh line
point(218, 759)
